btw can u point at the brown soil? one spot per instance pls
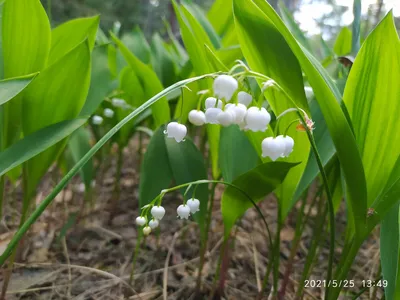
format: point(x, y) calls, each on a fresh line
point(92, 260)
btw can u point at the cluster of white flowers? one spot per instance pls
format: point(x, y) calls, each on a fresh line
point(108, 112)
point(157, 212)
point(220, 110)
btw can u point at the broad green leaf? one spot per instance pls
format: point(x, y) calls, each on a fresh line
point(372, 97)
point(390, 252)
point(9, 88)
point(134, 96)
point(68, 35)
point(343, 42)
point(267, 52)
point(102, 81)
point(79, 145)
point(35, 143)
point(236, 154)
point(198, 13)
point(50, 90)
point(256, 183)
point(26, 37)
point(26, 44)
point(136, 42)
point(187, 164)
point(162, 61)
point(151, 85)
point(290, 22)
point(220, 16)
point(328, 98)
point(152, 179)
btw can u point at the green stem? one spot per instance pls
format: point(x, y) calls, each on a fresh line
point(2, 191)
point(75, 169)
point(135, 256)
point(204, 241)
point(277, 252)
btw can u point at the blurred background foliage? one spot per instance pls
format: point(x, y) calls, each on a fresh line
point(316, 17)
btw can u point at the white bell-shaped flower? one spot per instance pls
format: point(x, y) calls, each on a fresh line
point(197, 117)
point(226, 117)
point(157, 212)
point(244, 98)
point(146, 230)
point(97, 120)
point(194, 205)
point(116, 102)
point(212, 102)
point(140, 221)
point(239, 111)
point(183, 211)
point(212, 114)
point(257, 119)
point(225, 86)
point(289, 144)
point(176, 131)
point(108, 113)
point(154, 223)
point(272, 147)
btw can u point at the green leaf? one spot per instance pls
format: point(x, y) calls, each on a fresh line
point(326, 150)
point(152, 181)
point(162, 61)
point(267, 52)
point(328, 98)
point(343, 42)
point(35, 143)
point(356, 27)
point(68, 35)
point(51, 89)
point(390, 252)
point(136, 42)
point(79, 145)
point(287, 17)
point(9, 88)
point(187, 164)
point(220, 16)
point(26, 37)
point(150, 83)
point(102, 81)
point(26, 45)
point(198, 13)
point(236, 154)
point(372, 97)
point(256, 183)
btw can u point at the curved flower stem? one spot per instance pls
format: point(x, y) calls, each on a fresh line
point(302, 116)
point(75, 169)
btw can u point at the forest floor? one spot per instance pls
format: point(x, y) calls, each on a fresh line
point(89, 257)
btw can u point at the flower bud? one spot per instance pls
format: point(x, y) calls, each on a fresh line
point(226, 118)
point(211, 101)
point(140, 221)
point(146, 230)
point(176, 131)
point(183, 211)
point(194, 205)
point(154, 223)
point(225, 86)
point(212, 114)
point(272, 147)
point(116, 102)
point(197, 117)
point(157, 212)
point(257, 119)
point(108, 113)
point(244, 98)
point(97, 120)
